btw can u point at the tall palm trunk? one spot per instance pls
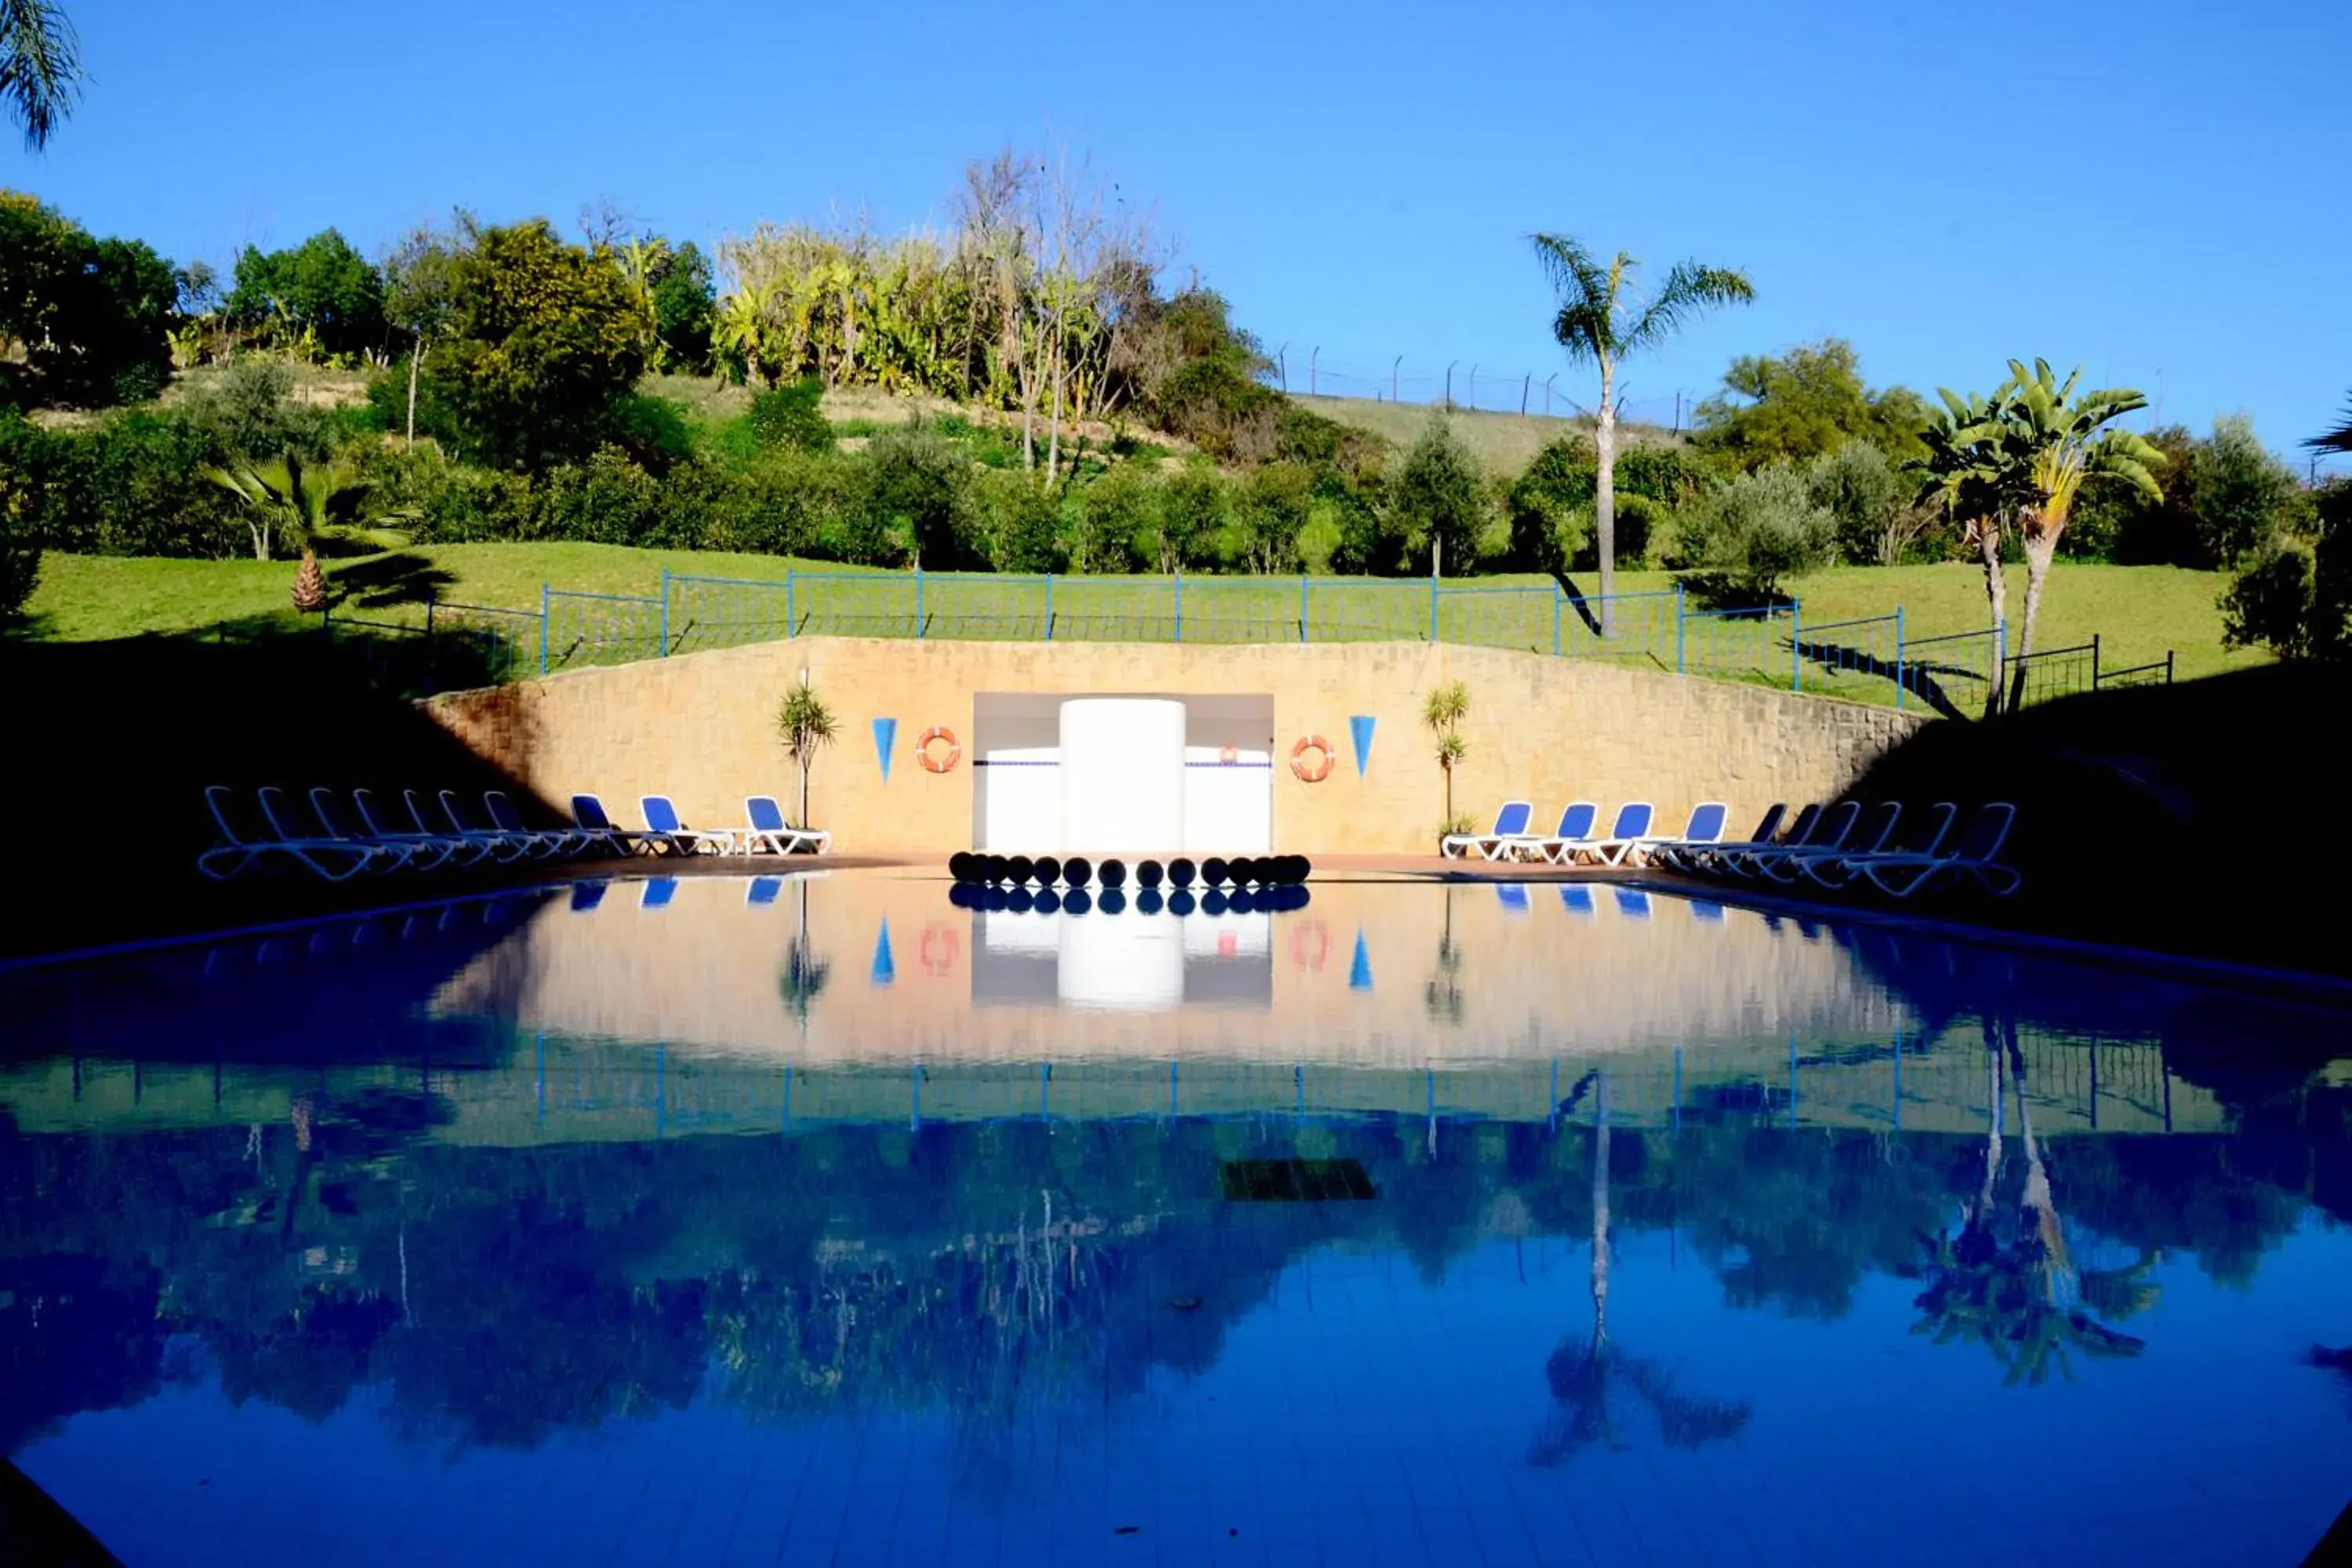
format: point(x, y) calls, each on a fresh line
point(1604, 494)
point(416, 357)
point(1996, 597)
point(2038, 550)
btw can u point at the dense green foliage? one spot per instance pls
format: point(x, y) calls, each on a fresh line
point(321, 299)
point(1806, 404)
point(1756, 531)
point(82, 320)
point(2294, 593)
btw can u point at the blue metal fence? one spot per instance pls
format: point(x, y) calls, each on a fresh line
point(1660, 629)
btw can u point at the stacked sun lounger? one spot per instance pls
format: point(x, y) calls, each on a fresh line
point(340, 836)
point(1846, 846)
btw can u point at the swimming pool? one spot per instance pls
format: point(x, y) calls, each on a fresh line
point(737, 1220)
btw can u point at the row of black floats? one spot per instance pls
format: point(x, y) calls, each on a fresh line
point(1021, 884)
point(970, 867)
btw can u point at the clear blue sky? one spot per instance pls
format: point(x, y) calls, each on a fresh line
point(2153, 189)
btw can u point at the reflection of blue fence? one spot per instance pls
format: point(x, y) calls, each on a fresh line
point(1656, 629)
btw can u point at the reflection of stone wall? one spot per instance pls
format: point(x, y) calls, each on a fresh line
point(1530, 977)
point(700, 728)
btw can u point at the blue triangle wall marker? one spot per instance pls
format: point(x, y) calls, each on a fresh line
point(1360, 972)
point(886, 735)
point(1360, 726)
point(884, 971)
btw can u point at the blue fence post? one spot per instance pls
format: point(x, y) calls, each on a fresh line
point(543, 597)
point(1796, 644)
point(1899, 682)
point(1558, 599)
point(665, 614)
point(918, 601)
point(1179, 607)
point(1432, 607)
point(789, 630)
point(1678, 628)
point(1049, 606)
point(1302, 609)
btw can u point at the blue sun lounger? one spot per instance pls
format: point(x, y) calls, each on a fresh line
point(1510, 822)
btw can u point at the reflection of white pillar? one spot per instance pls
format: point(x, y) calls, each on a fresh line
point(1129, 963)
point(1122, 776)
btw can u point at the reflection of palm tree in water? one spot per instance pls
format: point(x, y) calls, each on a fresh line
point(1443, 993)
point(2014, 1288)
point(1581, 1371)
point(806, 972)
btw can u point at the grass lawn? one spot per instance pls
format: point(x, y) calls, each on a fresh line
point(2139, 612)
point(1505, 443)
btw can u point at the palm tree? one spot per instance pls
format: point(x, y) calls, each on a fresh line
point(295, 505)
point(2337, 440)
point(1442, 710)
point(741, 325)
point(2057, 442)
point(1596, 323)
point(804, 723)
point(40, 66)
point(1963, 475)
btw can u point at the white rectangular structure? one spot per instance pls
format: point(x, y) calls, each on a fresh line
point(1101, 774)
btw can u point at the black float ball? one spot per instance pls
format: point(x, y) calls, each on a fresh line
point(1181, 902)
point(1149, 873)
point(1114, 902)
point(961, 867)
point(1250, 869)
point(1214, 872)
point(1149, 902)
point(1077, 903)
point(1048, 869)
point(991, 870)
point(1112, 873)
point(1181, 871)
point(1213, 902)
point(1019, 870)
point(1077, 872)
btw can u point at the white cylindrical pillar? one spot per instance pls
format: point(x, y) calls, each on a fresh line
point(1122, 776)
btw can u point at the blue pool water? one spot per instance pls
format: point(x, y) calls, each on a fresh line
point(819, 1220)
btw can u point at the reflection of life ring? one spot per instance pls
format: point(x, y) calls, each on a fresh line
point(940, 949)
point(1310, 945)
point(938, 733)
point(1228, 756)
point(1314, 772)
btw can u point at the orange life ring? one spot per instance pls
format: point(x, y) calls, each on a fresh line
point(923, 750)
point(1315, 772)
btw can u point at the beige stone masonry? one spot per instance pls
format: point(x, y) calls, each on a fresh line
point(700, 728)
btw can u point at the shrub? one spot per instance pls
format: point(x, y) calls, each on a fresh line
point(249, 413)
point(1756, 531)
point(652, 430)
point(1117, 523)
point(20, 548)
point(1275, 502)
point(607, 500)
point(437, 501)
point(2241, 494)
point(1195, 505)
point(782, 505)
point(1019, 521)
point(1860, 489)
point(788, 416)
point(911, 503)
point(2271, 603)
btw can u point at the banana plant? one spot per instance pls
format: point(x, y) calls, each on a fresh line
point(741, 326)
point(298, 506)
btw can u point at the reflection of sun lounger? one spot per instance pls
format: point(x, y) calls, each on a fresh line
point(1633, 903)
point(763, 891)
point(1510, 822)
point(586, 896)
point(1974, 857)
point(656, 893)
point(1576, 899)
point(1513, 897)
point(1706, 911)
